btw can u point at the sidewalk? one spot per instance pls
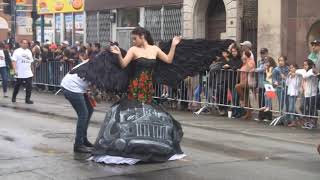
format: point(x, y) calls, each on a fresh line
point(57, 106)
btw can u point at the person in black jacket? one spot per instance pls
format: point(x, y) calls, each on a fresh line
point(231, 67)
point(219, 82)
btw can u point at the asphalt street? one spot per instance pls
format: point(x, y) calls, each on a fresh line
point(37, 146)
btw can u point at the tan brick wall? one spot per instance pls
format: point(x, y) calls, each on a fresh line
point(193, 23)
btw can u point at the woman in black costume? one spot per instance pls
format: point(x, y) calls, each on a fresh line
point(136, 129)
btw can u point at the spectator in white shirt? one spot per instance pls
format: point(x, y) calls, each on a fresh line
point(21, 62)
point(310, 87)
point(293, 83)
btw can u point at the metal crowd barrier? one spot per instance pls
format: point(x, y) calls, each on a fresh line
point(50, 73)
point(216, 89)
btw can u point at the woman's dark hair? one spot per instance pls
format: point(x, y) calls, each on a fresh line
point(143, 32)
point(272, 62)
point(238, 51)
point(247, 54)
point(284, 58)
point(97, 45)
point(83, 53)
point(310, 64)
point(295, 66)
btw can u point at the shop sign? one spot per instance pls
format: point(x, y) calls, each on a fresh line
point(59, 6)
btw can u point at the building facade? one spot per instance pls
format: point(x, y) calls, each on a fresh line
point(61, 20)
point(210, 19)
point(23, 21)
point(287, 27)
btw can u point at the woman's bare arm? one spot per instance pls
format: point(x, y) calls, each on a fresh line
point(168, 58)
point(127, 59)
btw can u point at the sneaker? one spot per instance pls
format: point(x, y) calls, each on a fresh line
point(266, 120)
point(308, 125)
point(29, 102)
point(82, 149)
point(256, 119)
point(13, 100)
point(5, 95)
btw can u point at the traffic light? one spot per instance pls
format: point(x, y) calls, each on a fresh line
point(7, 7)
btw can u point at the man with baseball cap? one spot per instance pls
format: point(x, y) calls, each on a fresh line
point(247, 46)
point(315, 54)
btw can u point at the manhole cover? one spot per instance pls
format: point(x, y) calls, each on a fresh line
point(59, 135)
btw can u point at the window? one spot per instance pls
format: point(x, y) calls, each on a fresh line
point(57, 28)
point(68, 27)
point(79, 27)
point(128, 17)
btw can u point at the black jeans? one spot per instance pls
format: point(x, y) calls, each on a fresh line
point(28, 85)
point(84, 110)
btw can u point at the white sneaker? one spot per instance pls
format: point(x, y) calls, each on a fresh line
point(5, 95)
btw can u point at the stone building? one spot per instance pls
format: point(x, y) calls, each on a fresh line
point(287, 27)
point(210, 19)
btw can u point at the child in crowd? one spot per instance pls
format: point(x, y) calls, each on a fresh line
point(270, 65)
point(279, 75)
point(293, 83)
point(310, 88)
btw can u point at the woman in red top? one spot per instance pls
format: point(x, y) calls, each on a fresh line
point(246, 81)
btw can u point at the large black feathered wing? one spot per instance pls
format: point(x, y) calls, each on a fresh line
point(104, 72)
point(191, 58)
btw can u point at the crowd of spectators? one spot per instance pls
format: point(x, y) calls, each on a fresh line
point(233, 82)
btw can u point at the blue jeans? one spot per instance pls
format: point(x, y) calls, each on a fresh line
point(4, 77)
point(282, 98)
point(292, 106)
point(268, 103)
point(198, 92)
point(84, 110)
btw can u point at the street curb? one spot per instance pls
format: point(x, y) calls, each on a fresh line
point(182, 123)
point(246, 134)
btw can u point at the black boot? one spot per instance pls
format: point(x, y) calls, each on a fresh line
point(88, 143)
point(82, 149)
point(29, 102)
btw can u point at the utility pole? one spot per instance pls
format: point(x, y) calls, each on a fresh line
point(13, 21)
point(42, 28)
point(34, 16)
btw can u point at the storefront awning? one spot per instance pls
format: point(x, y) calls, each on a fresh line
point(3, 23)
point(93, 5)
